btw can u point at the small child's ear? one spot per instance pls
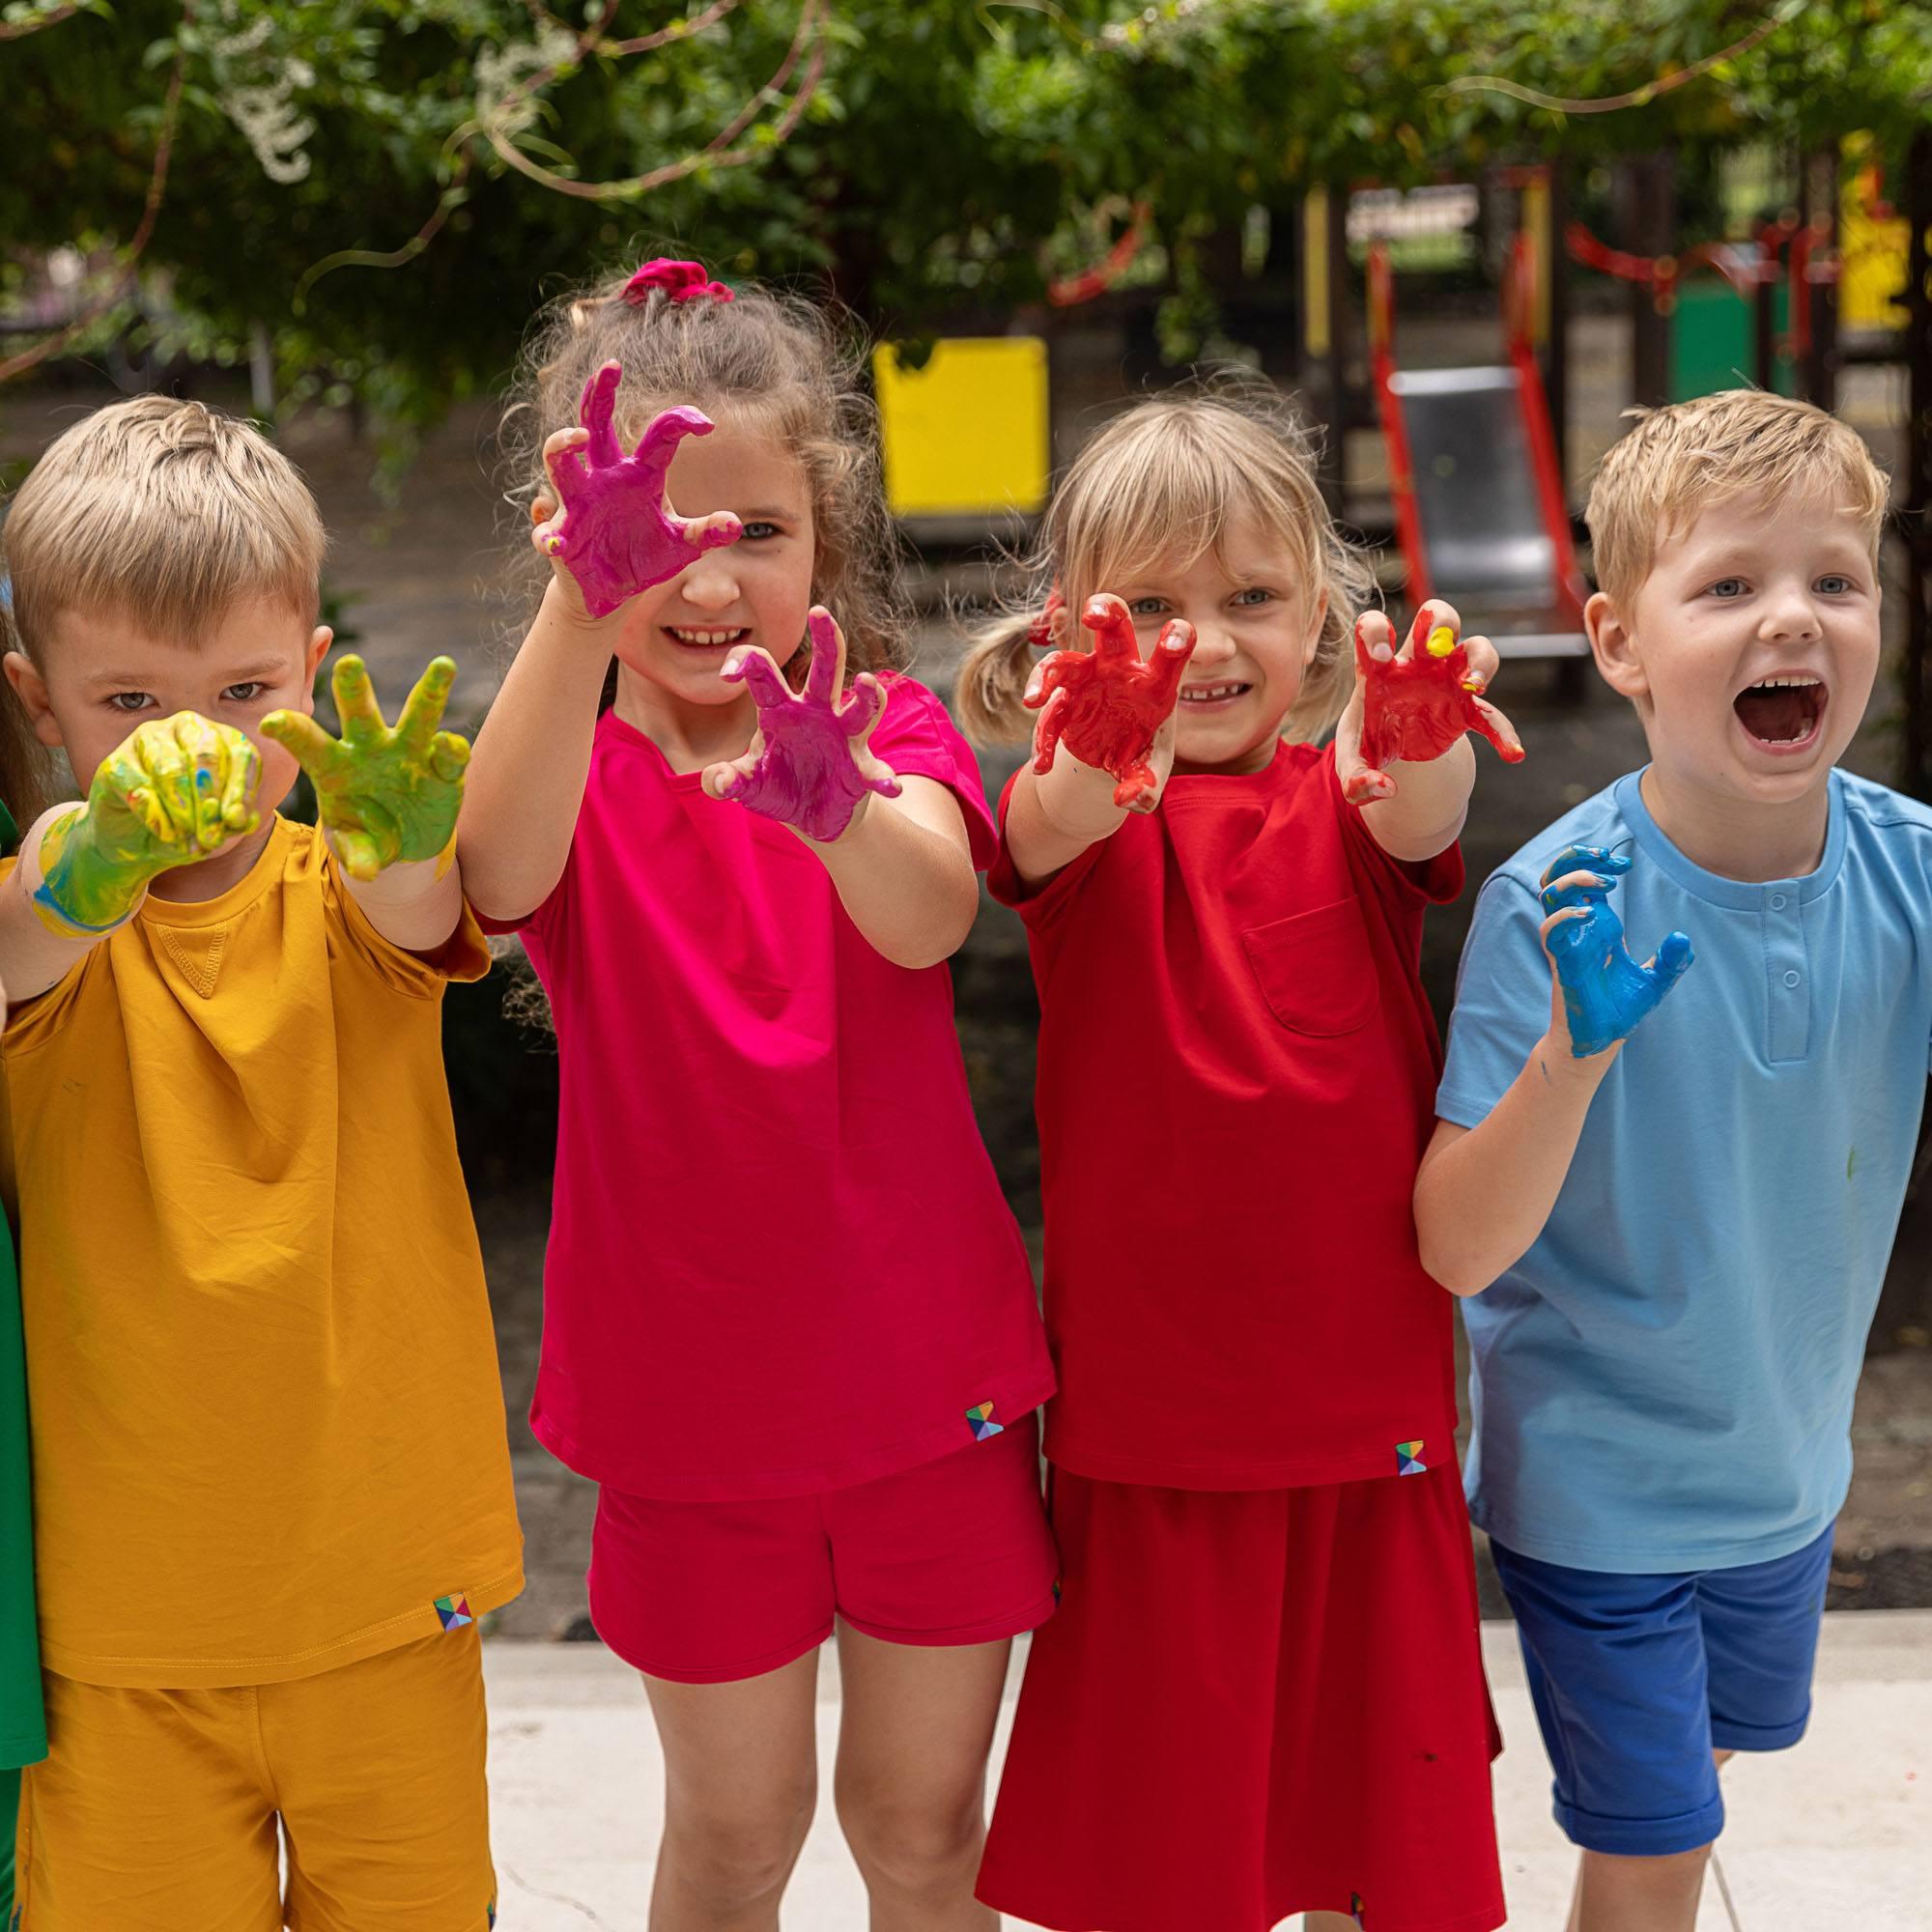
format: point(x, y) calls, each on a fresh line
point(319, 642)
point(31, 688)
point(1612, 643)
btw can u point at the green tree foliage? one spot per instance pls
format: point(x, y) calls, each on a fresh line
point(923, 155)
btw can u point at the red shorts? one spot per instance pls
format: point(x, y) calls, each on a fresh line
point(1252, 1704)
point(953, 1552)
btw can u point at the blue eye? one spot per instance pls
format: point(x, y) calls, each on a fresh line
point(760, 531)
point(1255, 594)
point(1729, 586)
point(1147, 607)
point(1835, 585)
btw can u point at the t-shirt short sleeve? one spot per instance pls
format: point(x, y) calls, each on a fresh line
point(463, 956)
point(1434, 881)
point(916, 739)
point(1502, 1002)
point(1038, 906)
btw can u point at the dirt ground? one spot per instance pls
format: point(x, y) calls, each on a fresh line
point(425, 573)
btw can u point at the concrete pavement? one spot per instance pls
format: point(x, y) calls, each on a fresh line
point(1836, 1833)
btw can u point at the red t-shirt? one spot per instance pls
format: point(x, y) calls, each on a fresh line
point(1236, 1077)
point(780, 1261)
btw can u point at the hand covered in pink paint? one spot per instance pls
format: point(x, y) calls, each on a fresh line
point(809, 766)
point(1110, 707)
point(616, 533)
point(1413, 704)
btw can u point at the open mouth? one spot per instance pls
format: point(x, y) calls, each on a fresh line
point(1782, 713)
point(692, 637)
point(1198, 695)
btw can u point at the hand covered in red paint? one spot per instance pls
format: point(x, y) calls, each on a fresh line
point(809, 766)
point(1411, 704)
point(1112, 709)
point(616, 533)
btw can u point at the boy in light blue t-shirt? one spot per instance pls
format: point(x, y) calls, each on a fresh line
point(1682, 1234)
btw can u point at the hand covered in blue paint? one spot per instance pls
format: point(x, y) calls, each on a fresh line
point(1605, 993)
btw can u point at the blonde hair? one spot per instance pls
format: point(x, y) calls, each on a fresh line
point(1657, 478)
point(166, 511)
point(1164, 481)
point(781, 365)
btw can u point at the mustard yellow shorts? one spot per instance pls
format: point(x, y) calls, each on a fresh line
point(155, 1810)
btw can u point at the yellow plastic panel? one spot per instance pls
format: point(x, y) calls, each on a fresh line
point(968, 434)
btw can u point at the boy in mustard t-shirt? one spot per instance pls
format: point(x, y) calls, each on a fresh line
point(271, 1479)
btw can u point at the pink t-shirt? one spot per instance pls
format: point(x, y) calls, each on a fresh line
point(780, 1261)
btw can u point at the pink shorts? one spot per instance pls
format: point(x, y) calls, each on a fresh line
point(953, 1552)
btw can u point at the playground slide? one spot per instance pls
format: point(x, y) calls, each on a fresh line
point(1479, 509)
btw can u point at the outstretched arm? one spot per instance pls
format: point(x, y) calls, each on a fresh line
point(897, 849)
point(1103, 745)
point(1483, 1193)
point(1402, 747)
point(387, 799)
point(616, 533)
point(177, 791)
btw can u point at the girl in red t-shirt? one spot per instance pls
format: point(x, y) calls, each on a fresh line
point(788, 1323)
point(1263, 1690)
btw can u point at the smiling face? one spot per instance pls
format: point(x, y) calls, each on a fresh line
point(1751, 649)
point(676, 636)
point(1256, 626)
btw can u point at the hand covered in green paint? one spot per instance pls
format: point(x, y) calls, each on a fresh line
point(178, 790)
point(382, 794)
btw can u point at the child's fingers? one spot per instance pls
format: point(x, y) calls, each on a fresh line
point(1367, 787)
point(1435, 631)
point(1045, 678)
point(1576, 889)
point(422, 710)
point(1672, 960)
point(595, 410)
point(206, 758)
point(729, 778)
point(565, 465)
point(1375, 640)
point(662, 436)
point(825, 674)
point(1046, 731)
point(712, 532)
point(238, 793)
point(160, 750)
point(1589, 858)
point(361, 858)
point(449, 757)
point(863, 708)
point(302, 738)
point(356, 703)
point(1483, 660)
point(1171, 652)
point(1554, 938)
point(153, 815)
point(1499, 731)
point(754, 667)
point(1113, 628)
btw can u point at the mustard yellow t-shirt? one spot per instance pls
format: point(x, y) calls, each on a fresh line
point(268, 1429)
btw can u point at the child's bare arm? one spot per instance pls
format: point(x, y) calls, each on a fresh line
point(614, 535)
point(1103, 746)
point(387, 799)
point(178, 790)
point(1483, 1193)
point(1402, 747)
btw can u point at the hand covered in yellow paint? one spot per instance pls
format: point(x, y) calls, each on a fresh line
point(382, 794)
point(178, 790)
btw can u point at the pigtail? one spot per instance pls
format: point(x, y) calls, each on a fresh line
point(993, 677)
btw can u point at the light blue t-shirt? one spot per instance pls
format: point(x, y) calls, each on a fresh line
point(1664, 1383)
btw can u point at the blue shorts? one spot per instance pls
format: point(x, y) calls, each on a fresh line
point(1637, 1680)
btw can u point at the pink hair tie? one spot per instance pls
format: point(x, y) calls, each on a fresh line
point(1042, 634)
point(679, 281)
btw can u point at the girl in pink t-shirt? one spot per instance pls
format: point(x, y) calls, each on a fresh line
point(788, 1324)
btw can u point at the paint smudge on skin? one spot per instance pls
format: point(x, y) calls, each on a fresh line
point(809, 766)
point(1605, 993)
point(1106, 704)
point(615, 532)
